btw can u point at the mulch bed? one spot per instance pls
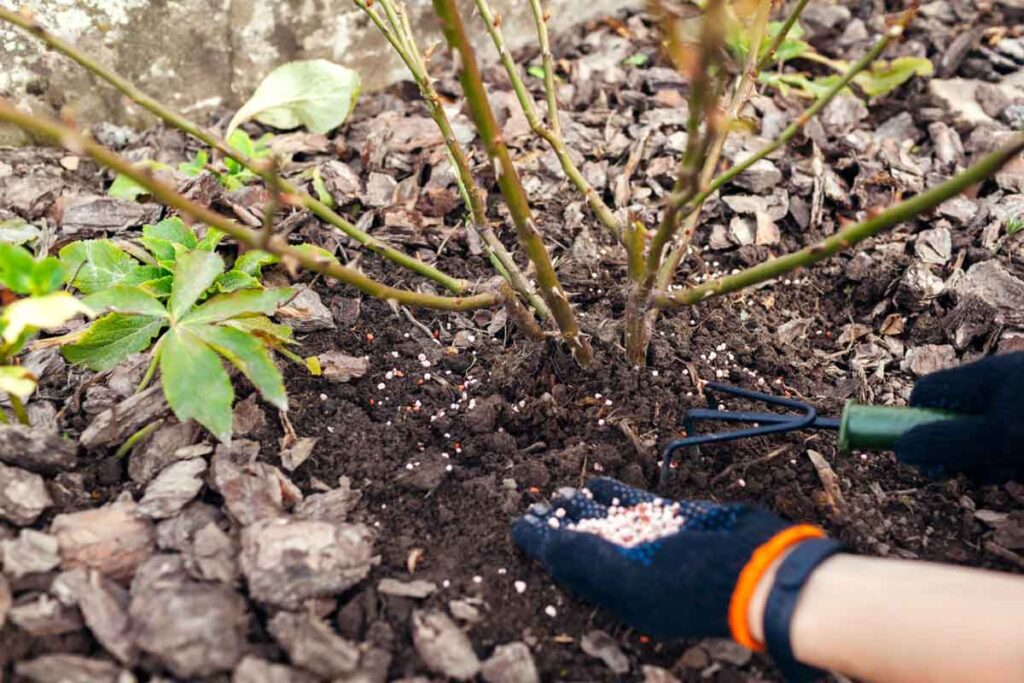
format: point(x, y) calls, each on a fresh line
point(458, 423)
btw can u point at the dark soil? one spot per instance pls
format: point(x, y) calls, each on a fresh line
point(460, 425)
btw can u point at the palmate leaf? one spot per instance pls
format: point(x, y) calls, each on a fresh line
point(125, 299)
point(233, 280)
point(97, 264)
point(245, 302)
point(168, 239)
point(253, 261)
point(194, 273)
point(195, 383)
point(262, 327)
point(113, 338)
point(17, 381)
point(249, 355)
point(884, 77)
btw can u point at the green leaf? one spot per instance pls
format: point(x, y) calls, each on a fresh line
point(1014, 224)
point(96, 264)
point(637, 59)
point(322, 193)
point(195, 383)
point(232, 281)
point(124, 187)
point(249, 355)
point(40, 313)
point(210, 240)
point(239, 140)
point(17, 381)
point(196, 166)
point(261, 326)
point(168, 239)
point(245, 302)
point(159, 287)
point(111, 339)
point(253, 261)
point(194, 273)
point(884, 77)
point(535, 71)
point(20, 272)
point(173, 230)
point(316, 93)
point(124, 299)
point(17, 231)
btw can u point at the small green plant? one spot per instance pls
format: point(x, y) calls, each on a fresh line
point(178, 292)
point(230, 174)
point(32, 286)
point(1014, 224)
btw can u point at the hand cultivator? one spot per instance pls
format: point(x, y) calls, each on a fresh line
point(860, 427)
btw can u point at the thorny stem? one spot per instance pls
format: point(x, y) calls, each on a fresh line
point(509, 182)
point(18, 406)
point(780, 37)
point(703, 100)
point(540, 18)
point(133, 440)
point(404, 42)
point(73, 141)
point(793, 128)
point(302, 198)
point(741, 94)
point(692, 210)
point(551, 133)
point(847, 237)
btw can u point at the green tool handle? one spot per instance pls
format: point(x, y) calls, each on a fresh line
point(877, 428)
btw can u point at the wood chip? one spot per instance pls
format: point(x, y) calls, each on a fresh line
point(112, 539)
point(286, 561)
point(443, 646)
point(829, 481)
point(23, 496)
point(311, 644)
point(37, 450)
point(341, 368)
point(510, 663)
point(173, 489)
point(114, 425)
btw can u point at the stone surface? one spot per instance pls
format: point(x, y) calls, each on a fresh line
point(201, 54)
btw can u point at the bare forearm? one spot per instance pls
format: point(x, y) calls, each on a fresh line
point(892, 621)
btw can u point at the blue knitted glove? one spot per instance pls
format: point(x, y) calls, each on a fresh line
point(680, 585)
point(987, 444)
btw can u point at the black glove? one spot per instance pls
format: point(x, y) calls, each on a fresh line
point(680, 569)
point(988, 444)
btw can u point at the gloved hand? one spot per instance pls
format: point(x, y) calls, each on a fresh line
point(987, 444)
point(695, 582)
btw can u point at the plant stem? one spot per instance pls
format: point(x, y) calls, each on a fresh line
point(130, 443)
point(638, 322)
point(299, 196)
point(692, 209)
point(3, 418)
point(509, 182)
point(18, 406)
point(849, 236)
point(551, 133)
point(540, 18)
point(780, 37)
point(329, 267)
point(147, 377)
point(404, 43)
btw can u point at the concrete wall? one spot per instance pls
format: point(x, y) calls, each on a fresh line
point(196, 54)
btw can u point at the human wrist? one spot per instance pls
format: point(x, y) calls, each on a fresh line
point(755, 610)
